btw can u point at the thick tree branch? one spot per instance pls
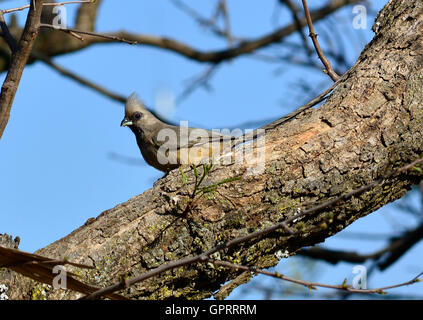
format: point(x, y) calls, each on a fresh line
point(283, 226)
point(18, 62)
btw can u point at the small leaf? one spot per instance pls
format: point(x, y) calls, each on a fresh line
point(418, 169)
point(381, 292)
point(210, 165)
point(195, 171)
point(184, 176)
point(344, 284)
point(213, 186)
point(311, 287)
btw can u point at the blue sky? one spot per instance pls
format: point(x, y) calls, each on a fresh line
point(58, 144)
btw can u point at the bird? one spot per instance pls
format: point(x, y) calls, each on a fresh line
point(167, 147)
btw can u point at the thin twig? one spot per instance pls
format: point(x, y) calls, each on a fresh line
point(208, 23)
point(294, 11)
point(54, 4)
point(47, 60)
point(329, 70)
point(92, 34)
point(384, 257)
point(310, 284)
point(225, 13)
point(11, 42)
point(199, 81)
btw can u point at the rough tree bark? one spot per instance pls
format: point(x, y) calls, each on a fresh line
point(371, 124)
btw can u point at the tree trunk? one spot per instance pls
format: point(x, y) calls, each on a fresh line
point(370, 125)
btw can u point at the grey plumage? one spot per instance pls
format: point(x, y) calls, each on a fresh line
point(165, 146)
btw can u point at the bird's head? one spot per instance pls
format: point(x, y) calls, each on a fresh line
point(136, 115)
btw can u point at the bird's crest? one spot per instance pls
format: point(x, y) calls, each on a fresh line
point(133, 104)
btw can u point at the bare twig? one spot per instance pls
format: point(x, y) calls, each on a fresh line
point(208, 23)
point(383, 258)
point(400, 246)
point(310, 284)
point(88, 33)
point(224, 10)
point(329, 70)
point(39, 56)
point(217, 56)
point(54, 4)
point(199, 81)
point(294, 11)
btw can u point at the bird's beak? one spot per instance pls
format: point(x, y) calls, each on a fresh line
point(125, 122)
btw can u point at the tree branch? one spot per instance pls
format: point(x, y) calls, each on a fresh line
point(71, 31)
point(54, 44)
point(18, 62)
point(218, 56)
point(294, 11)
point(313, 35)
point(205, 257)
point(384, 257)
point(77, 78)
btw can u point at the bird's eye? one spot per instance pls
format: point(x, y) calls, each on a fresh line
point(137, 115)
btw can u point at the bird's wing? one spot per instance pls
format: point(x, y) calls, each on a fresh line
point(188, 138)
point(201, 137)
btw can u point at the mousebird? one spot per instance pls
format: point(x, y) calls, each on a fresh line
point(165, 146)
